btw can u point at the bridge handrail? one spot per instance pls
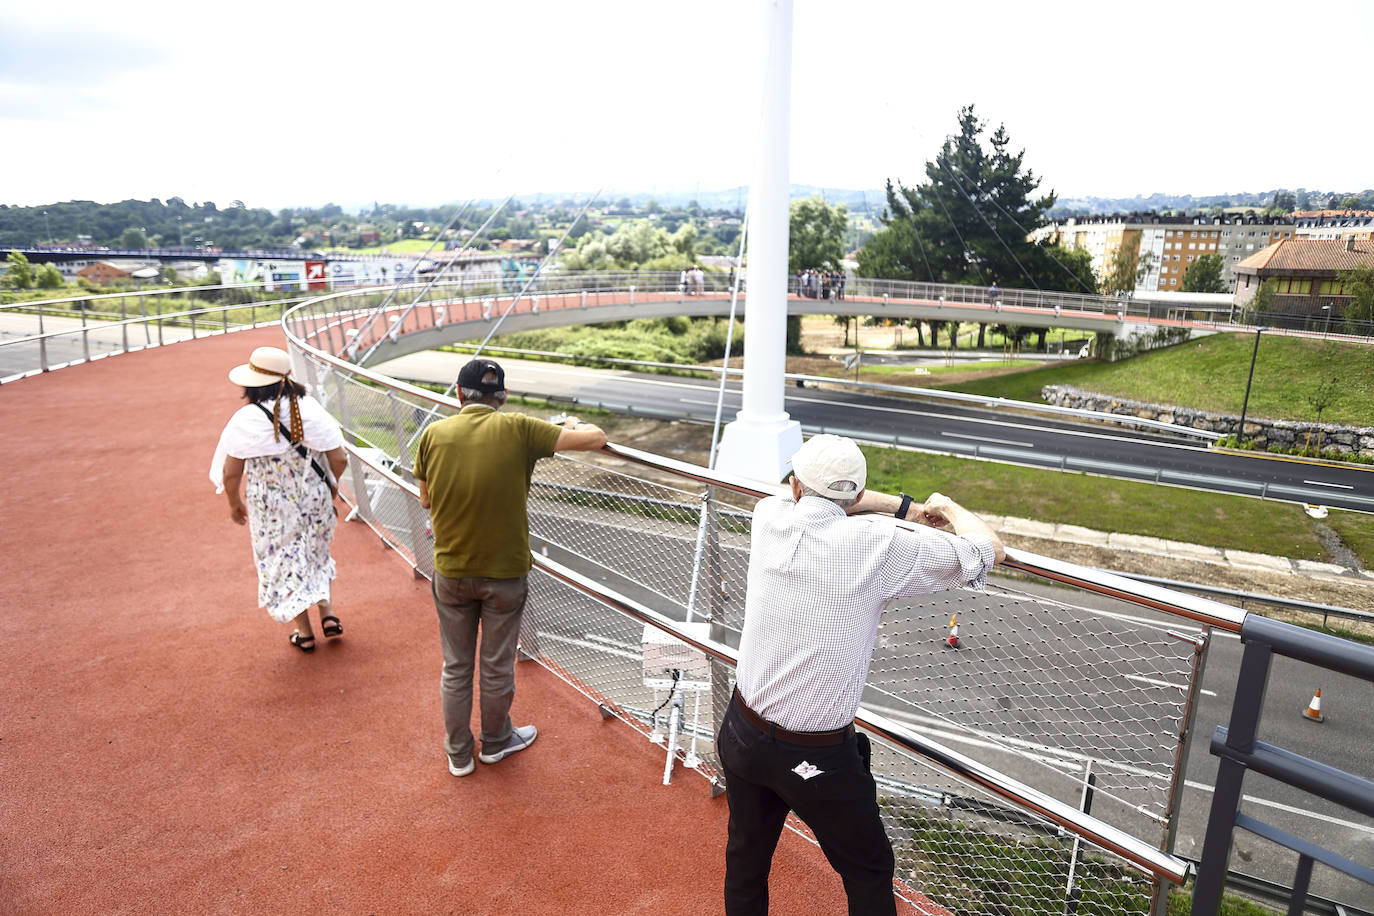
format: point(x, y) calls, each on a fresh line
point(148, 292)
point(1239, 750)
point(1190, 607)
point(1134, 850)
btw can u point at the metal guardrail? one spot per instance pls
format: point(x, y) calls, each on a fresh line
point(986, 401)
point(1240, 750)
point(53, 306)
point(1325, 610)
point(158, 330)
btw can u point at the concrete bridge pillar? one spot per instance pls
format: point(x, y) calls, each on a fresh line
point(761, 440)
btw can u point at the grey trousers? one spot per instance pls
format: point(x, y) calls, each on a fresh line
point(497, 606)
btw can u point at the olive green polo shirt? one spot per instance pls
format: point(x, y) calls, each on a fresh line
point(477, 466)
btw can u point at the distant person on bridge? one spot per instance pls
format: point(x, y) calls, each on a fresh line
point(993, 294)
point(818, 580)
point(278, 457)
point(474, 472)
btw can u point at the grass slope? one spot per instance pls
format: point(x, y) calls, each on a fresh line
point(1196, 517)
point(1210, 374)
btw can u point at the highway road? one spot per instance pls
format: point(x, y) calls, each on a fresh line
point(998, 435)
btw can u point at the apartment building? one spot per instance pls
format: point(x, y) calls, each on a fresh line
point(1335, 224)
point(1173, 242)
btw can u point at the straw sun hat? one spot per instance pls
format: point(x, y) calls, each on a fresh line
point(268, 366)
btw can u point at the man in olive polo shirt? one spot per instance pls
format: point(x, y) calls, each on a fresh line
point(474, 472)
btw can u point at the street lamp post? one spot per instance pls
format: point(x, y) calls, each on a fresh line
point(1240, 433)
point(1327, 326)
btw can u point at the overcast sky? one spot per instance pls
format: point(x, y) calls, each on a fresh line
point(284, 104)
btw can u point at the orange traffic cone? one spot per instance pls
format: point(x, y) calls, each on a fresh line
point(1313, 712)
point(952, 640)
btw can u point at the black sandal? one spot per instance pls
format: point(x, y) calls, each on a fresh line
point(331, 629)
point(300, 641)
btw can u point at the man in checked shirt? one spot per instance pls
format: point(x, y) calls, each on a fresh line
point(818, 579)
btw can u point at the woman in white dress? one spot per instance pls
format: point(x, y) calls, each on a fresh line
point(285, 452)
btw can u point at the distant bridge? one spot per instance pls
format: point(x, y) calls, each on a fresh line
point(421, 318)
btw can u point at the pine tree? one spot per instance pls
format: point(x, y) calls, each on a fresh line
point(969, 221)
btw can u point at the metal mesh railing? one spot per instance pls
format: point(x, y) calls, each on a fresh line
point(44, 335)
point(1076, 706)
point(963, 847)
point(1052, 691)
point(1073, 703)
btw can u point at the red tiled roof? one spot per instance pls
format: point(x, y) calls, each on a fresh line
point(1292, 256)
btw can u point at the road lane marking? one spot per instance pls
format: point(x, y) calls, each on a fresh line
point(624, 376)
point(1157, 683)
point(1289, 809)
point(584, 644)
point(980, 421)
point(1323, 483)
point(989, 439)
point(1069, 760)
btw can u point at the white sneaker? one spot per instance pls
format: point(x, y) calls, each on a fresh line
point(521, 738)
point(463, 770)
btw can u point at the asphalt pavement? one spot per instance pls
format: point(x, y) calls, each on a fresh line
point(1004, 435)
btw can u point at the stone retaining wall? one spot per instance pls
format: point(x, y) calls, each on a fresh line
point(1264, 433)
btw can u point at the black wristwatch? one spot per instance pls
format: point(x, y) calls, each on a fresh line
point(906, 504)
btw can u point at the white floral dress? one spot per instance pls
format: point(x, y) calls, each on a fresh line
point(290, 510)
point(291, 517)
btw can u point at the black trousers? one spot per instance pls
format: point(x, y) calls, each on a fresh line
point(839, 803)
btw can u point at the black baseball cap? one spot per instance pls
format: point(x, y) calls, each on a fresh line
point(471, 375)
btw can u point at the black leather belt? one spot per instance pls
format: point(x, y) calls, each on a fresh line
point(807, 739)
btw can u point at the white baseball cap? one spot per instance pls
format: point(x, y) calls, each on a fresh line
point(826, 461)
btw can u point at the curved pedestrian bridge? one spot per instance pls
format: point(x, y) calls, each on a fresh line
point(373, 327)
point(167, 745)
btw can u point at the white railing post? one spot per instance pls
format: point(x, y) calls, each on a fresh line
point(42, 342)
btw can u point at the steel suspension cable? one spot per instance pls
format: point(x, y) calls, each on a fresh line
point(419, 297)
point(729, 340)
point(381, 309)
point(1073, 276)
point(997, 235)
point(448, 391)
point(963, 244)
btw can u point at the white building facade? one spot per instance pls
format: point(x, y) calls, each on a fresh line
point(1172, 243)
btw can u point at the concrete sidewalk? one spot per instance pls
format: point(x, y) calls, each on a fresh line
point(1178, 550)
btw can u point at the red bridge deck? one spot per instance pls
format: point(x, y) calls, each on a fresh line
point(163, 750)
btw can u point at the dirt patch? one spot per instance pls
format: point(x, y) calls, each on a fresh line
point(1356, 594)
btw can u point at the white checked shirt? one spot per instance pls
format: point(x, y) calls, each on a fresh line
point(818, 580)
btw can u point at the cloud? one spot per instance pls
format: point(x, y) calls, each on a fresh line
point(52, 74)
point(43, 58)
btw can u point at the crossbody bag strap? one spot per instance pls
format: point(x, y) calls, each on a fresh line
point(300, 448)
